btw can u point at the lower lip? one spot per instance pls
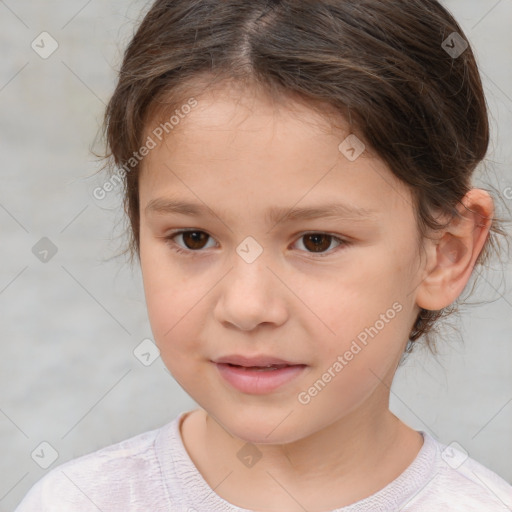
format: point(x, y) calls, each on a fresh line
point(258, 382)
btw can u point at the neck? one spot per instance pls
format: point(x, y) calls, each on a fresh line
point(346, 461)
point(349, 445)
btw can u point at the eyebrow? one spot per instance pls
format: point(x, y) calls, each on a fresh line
point(273, 215)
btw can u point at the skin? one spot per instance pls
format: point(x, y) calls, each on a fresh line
point(241, 154)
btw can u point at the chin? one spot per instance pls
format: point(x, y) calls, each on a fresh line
point(258, 430)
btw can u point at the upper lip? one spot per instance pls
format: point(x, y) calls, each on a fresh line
point(261, 360)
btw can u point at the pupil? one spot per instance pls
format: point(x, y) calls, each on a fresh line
point(315, 238)
point(196, 236)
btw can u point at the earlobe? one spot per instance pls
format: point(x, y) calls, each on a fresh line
point(453, 255)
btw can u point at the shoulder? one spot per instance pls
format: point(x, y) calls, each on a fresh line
point(108, 479)
point(460, 483)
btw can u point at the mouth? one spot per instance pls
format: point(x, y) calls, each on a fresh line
point(257, 376)
point(261, 368)
point(261, 362)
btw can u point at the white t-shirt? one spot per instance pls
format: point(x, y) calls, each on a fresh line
point(152, 472)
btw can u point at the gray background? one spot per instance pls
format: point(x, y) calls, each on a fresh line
point(69, 326)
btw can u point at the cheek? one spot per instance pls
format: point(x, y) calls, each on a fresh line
point(367, 341)
point(166, 298)
point(361, 358)
point(170, 311)
point(354, 299)
point(367, 318)
point(176, 315)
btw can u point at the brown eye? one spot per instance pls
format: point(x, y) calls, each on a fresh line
point(319, 242)
point(194, 241)
point(316, 244)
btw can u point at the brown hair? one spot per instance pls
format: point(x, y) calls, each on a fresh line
point(383, 65)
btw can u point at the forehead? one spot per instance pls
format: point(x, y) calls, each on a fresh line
point(238, 144)
point(230, 110)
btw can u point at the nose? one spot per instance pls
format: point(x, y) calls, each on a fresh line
point(251, 295)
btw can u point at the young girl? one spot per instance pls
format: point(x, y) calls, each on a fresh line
point(298, 183)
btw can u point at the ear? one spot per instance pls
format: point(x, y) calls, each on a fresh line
point(451, 257)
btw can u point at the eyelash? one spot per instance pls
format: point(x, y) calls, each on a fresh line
point(188, 252)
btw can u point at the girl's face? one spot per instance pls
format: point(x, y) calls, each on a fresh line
point(340, 303)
